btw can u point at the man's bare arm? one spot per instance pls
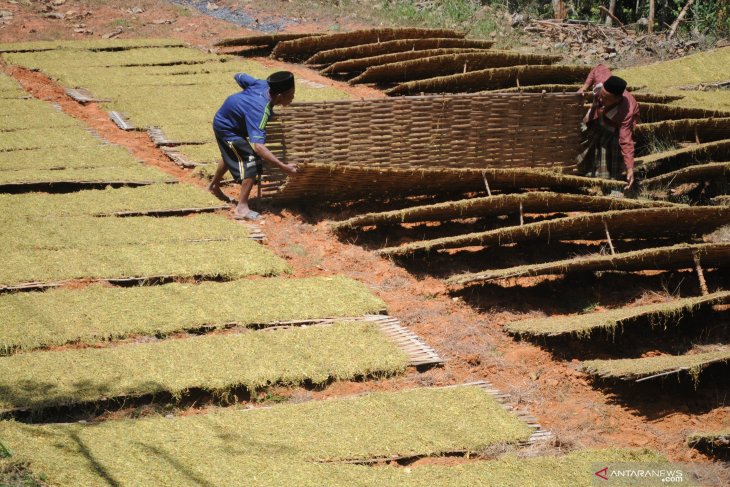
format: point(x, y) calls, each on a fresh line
point(268, 156)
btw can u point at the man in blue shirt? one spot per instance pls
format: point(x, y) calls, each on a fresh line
point(244, 116)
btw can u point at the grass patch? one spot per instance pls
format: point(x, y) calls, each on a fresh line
point(665, 78)
point(132, 174)
point(151, 198)
point(227, 260)
point(216, 363)
point(643, 367)
point(93, 45)
point(81, 232)
point(96, 313)
point(657, 314)
point(262, 445)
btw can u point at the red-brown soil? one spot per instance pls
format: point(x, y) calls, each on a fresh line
point(471, 339)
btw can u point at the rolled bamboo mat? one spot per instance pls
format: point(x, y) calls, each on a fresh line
point(714, 171)
point(493, 78)
point(448, 64)
point(659, 112)
point(663, 162)
point(633, 223)
point(459, 131)
point(330, 182)
point(261, 40)
point(680, 256)
point(503, 204)
point(305, 47)
point(400, 45)
point(361, 64)
point(685, 130)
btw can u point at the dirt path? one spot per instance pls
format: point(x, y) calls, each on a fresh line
point(476, 348)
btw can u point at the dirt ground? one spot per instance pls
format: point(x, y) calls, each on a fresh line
point(465, 328)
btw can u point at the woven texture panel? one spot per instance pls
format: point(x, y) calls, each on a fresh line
point(457, 131)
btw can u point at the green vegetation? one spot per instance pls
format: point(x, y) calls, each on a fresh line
point(215, 363)
point(136, 174)
point(96, 313)
point(188, 85)
point(47, 158)
point(95, 44)
point(277, 446)
point(644, 367)
point(227, 260)
point(657, 314)
point(20, 234)
point(150, 198)
point(665, 77)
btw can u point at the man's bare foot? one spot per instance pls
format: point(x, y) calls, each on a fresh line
point(218, 193)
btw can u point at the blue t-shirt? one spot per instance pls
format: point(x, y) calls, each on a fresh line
point(244, 114)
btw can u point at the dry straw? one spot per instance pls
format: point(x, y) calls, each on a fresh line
point(716, 171)
point(491, 131)
point(583, 325)
point(361, 64)
point(54, 158)
point(503, 204)
point(225, 260)
point(710, 440)
point(448, 64)
point(495, 78)
point(392, 47)
point(638, 368)
point(154, 199)
point(215, 363)
point(679, 256)
point(634, 223)
point(329, 182)
point(302, 48)
point(97, 313)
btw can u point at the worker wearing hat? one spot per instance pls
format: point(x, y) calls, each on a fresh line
point(240, 130)
point(609, 150)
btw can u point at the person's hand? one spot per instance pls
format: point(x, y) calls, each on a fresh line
point(290, 168)
point(581, 91)
point(629, 178)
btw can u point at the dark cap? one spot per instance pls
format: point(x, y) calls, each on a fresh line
point(280, 82)
point(615, 85)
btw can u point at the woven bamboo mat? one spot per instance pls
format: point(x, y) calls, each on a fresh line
point(502, 204)
point(696, 130)
point(631, 223)
point(483, 131)
point(659, 258)
point(493, 79)
point(329, 182)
